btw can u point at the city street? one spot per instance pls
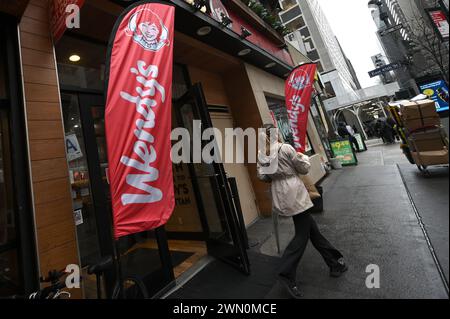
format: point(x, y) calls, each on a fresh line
point(149, 149)
point(370, 218)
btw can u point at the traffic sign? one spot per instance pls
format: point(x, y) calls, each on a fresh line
point(391, 29)
point(385, 69)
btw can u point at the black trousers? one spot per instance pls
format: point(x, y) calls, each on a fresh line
point(306, 228)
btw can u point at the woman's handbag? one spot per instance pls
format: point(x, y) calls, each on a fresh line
point(318, 202)
point(311, 188)
point(315, 193)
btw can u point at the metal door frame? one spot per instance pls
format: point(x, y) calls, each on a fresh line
point(224, 193)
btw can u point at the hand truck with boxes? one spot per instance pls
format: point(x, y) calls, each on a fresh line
point(424, 141)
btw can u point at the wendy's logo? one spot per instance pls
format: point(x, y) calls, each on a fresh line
point(299, 80)
point(148, 30)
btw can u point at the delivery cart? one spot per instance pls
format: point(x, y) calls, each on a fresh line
point(424, 142)
point(429, 147)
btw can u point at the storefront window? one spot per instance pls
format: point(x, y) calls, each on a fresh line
point(320, 123)
point(81, 64)
point(10, 279)
point(3, 94)
point(179, 85)
point(82, 201)
point(10, 270)
point(83, 109)
point(279, 112)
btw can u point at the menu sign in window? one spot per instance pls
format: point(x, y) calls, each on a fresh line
point(343, 151)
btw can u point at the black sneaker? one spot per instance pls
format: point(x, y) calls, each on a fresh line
point(338, 269)
point(290, 287)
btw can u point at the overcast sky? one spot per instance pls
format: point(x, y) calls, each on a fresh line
point(353, 25)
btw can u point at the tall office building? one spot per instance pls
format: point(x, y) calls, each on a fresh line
point(313, 36)
point(397, 22)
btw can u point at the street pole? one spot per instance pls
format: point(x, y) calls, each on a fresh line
point(356, 111)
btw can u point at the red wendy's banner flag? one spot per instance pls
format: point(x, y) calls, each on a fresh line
point(138, 117)
point(298, 91)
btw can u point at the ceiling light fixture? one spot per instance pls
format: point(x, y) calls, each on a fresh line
point(74, 58)
point(244, 52)
point(204, 31)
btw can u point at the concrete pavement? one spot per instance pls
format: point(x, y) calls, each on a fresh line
point(430, 196)
point(369, 217)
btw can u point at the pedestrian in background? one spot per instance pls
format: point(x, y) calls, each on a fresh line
point(290, 198)
point(387, 132)
point(346, 131)
point(392, 125)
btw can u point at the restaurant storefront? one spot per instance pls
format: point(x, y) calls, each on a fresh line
point(219, 78)
point(18, 271)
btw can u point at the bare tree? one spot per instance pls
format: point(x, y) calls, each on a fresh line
point(424, 39)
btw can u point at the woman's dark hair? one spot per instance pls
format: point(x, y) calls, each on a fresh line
point(268, 128)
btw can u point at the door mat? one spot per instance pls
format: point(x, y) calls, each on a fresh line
point(221, 281)
point(144, 261)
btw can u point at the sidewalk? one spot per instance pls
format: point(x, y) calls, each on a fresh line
point(369, 217)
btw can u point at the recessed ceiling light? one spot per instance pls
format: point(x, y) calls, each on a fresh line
point(74, 58)
point(244, 52)
point(204, 31)
point(269, 65)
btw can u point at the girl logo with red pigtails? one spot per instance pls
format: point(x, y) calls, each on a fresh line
point(148, 30)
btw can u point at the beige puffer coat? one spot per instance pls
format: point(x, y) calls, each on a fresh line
point(289, 194)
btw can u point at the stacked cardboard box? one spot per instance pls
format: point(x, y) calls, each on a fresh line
point(429, 140)
point(431, 157)
point(416, 115)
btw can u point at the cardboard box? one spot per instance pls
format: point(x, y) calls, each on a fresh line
point(419, 114)
point(418, 110)
point(431, 158)
point(415, 124)
point(428, 145)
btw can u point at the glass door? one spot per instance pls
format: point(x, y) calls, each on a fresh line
point(224, 236)
point(144, 255)
point(10, 274)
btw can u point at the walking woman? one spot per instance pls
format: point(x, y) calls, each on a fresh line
point(281, 165)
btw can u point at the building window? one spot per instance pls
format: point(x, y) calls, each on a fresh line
point(313, 55)
point(287, 4)
point(309, 45)
point(329, 89)
point(296, 24)
point(291, 14)
point(319, 67)
point(305, 32)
